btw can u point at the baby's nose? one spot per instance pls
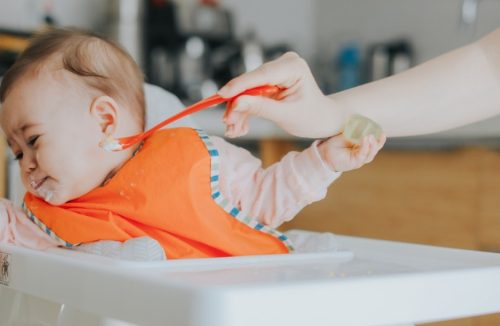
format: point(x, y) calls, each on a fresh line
point(28, 163)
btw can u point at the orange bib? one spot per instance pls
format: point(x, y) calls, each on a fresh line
point(167, 191)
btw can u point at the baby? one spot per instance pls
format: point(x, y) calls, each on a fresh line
point(198, 196)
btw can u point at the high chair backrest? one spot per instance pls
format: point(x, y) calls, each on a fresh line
point(160, 104)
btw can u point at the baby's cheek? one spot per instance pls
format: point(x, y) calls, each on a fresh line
point(85, 176)
point(24, 180)
point(49, 161)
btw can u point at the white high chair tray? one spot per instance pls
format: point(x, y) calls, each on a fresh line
point(372, 283)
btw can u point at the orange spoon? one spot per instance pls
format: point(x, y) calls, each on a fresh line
point(111, 144)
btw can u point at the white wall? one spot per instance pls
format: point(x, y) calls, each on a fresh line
point(312, 27)
point(277, 21)
point(28, 14)
point(433, 26)
point(274, 21)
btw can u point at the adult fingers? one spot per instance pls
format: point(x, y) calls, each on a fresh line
point(284, 72)
point(239, 127)
point(257, 106)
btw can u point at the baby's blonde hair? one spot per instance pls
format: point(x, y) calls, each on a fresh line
point(102, 64)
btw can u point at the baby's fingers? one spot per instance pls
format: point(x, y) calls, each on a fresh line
point(360, 155)
point(375, 147)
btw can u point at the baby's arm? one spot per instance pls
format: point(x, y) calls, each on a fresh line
point(18, 229)
point(276, 194)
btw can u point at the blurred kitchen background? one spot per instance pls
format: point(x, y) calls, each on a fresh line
point(192, 47)
point(440, 189)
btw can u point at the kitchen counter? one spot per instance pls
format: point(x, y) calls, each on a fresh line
point(485, 133)
point(211, 122)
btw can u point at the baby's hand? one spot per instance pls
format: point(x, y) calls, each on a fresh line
point(341, 155)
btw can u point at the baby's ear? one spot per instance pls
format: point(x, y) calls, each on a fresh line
point(104, 109)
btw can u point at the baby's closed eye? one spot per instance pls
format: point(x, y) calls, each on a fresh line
point(32, 140)
point(18, 156)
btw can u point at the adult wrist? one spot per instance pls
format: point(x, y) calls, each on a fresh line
point(336, 115)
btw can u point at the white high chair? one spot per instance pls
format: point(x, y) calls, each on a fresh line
point(368, 282)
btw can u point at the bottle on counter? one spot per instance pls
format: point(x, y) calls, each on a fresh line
point(348, 67)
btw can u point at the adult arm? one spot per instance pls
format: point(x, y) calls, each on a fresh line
point(454, 89)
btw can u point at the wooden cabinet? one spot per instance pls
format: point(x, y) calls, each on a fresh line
point(444, 198)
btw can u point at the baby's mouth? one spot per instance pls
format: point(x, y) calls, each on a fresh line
point(37, 183)
point(42, 192)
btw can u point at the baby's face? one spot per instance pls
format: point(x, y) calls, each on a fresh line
point(54, 136)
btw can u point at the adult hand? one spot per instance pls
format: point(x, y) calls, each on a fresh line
point(301, 108)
